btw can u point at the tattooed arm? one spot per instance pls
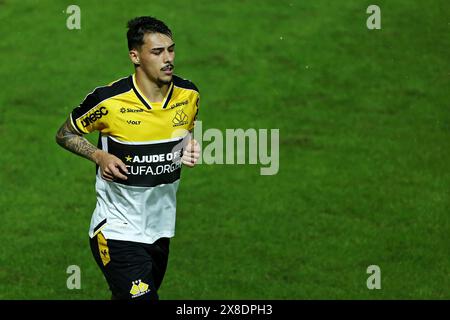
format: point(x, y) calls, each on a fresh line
point(111, 167)
point(69, 139)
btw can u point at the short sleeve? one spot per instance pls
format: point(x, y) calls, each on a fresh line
point(196, 108)
point(90, 115)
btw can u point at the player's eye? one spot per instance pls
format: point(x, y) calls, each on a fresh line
point(157, 52)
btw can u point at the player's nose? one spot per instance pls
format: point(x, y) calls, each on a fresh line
point(168, 57)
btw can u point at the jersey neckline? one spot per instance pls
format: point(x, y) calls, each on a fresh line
point(144, 100)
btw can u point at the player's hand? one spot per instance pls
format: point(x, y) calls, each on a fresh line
point(191, 153)
point(111, 167)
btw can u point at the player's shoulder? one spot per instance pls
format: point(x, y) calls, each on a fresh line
point(184, 83)
point(103, 93)
point(113, 89)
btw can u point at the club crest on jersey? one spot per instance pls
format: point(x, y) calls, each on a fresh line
point(138, 288)
point(180, 118)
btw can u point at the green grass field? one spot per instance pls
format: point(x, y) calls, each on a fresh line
point(364, 119)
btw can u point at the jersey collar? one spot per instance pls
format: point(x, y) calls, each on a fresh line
point(144, 100)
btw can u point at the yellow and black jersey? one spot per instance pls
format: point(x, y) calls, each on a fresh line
point(121, 111)
point(147, 137)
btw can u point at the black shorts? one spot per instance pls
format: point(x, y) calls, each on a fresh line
point(133, 270)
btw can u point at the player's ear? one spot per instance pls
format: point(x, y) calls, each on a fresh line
point(134, 56)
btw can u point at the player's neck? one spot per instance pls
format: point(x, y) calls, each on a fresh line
point(152, 91)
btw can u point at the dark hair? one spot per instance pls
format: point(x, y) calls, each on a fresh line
point(139, 26)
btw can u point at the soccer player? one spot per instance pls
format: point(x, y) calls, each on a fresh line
point(144, 123)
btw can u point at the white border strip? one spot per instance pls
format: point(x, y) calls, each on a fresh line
point(145, 142)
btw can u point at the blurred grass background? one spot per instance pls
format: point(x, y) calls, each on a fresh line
point(364, 147)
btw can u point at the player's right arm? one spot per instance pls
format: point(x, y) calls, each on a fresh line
point(110, 166)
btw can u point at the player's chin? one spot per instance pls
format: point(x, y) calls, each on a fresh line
point(165, 79)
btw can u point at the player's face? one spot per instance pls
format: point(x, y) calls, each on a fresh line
point(156, 57)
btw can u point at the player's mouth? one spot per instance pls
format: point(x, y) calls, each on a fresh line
point(168, 70)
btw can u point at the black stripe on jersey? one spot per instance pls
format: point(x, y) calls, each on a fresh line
point(75, 124)
point(137, 93)
point(101, 224)
point(183, 83)
point(100, 147)
point(196, 113)
point(151, 164)
point(100, 94)
point(169, 96)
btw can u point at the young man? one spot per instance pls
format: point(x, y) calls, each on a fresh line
point(139, 156)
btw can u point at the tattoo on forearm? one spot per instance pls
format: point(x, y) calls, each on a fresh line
point(74, 142)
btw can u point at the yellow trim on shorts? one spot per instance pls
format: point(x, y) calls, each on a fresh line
point(103, 248)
